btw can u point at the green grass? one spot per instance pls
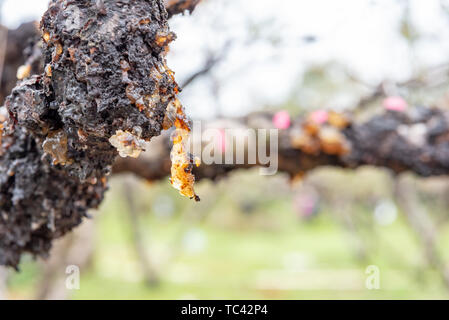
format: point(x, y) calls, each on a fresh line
point(267, 254)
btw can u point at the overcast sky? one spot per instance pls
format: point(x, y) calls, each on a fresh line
point(268, 53)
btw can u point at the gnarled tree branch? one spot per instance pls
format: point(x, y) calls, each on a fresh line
point(105, 86)
point(416, 141)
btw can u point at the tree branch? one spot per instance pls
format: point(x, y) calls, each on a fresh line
point(417, 141)
point(105, 89)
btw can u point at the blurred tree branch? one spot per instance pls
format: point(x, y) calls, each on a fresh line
point(175, 7)
point(422, 224)
point(77, 248)
point(416, 141)
point(432, 77)
point(211, 61)
point(140, 247)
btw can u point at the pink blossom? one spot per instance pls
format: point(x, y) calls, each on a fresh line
point(319, 116)
point(395, 103)
point(281, 120)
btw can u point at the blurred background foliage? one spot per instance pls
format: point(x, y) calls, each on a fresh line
point(257, 237)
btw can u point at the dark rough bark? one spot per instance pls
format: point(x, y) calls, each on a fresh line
point(105, 82)
point(20, 46)
point(416, 141)
point(23, 45)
